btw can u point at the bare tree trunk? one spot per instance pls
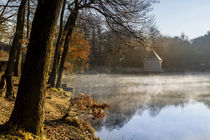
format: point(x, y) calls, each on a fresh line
point(16, 45)
point(56, 61)
point(18, 62)
point(57, 58)
point(73, 18)
point(28, 112)
point(9, 92)
point(28, 20)
point(2, 85)
point(61, 68)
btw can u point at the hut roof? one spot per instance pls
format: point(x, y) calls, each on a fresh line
point(152, 56)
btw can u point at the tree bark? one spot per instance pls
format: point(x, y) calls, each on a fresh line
point(2, 85)
point(16, 45)
point(28, 112)
point(18, 62)
point(9, 93)
point(73, 18)
point(28, 20)
point(56, 60)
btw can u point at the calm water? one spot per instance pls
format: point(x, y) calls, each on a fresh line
point(152, 107)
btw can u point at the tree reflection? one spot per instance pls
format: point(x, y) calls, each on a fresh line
point(129, 97)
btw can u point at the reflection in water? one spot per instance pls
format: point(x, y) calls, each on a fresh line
point(162, 107)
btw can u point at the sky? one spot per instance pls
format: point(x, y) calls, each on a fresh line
point(191, 17)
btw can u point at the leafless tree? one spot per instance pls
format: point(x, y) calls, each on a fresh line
point(130, 15)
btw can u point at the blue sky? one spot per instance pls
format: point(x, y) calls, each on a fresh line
point(174, 17)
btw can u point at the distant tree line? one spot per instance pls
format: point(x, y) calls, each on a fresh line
point(182, 54)
point(179, 54)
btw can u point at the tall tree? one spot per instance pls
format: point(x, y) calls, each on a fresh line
point(28, 112)
point(68, 29)
point(58, 51)
point(73, 18)
point(16, 47)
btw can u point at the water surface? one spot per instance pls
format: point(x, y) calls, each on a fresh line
point(150, 107)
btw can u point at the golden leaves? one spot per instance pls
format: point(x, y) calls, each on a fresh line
point(78, 55)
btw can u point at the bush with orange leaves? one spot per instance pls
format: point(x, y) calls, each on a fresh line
point(84, 104)
point(79, 51)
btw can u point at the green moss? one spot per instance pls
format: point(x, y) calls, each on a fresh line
point(58, 90)
point(20, 135)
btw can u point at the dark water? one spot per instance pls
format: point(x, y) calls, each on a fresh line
point(155, 107)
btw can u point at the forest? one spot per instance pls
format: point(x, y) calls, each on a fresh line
point(41, 36)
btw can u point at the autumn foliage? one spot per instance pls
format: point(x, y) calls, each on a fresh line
point(84, 104)
point(79, 51)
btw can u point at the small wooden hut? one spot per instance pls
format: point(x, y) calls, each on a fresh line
point(152, 62)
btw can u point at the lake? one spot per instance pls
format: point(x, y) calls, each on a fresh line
point(150, 107)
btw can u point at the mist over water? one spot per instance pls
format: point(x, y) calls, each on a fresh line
point(150, 107)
